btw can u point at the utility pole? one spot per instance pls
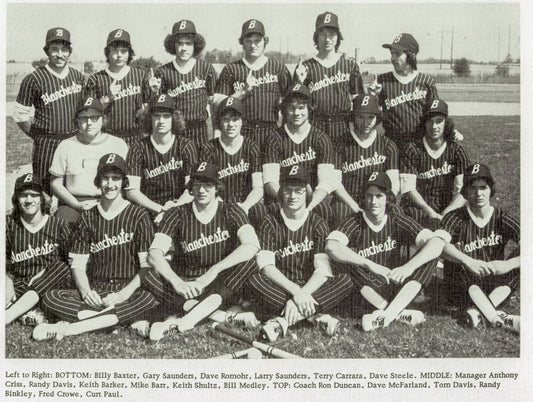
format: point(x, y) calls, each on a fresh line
point(441, 42)
point(498, 59)
point(451, 52)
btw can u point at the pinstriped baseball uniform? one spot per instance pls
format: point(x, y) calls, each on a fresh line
point(30, 250)
point(404, 105)
point(162, 175)
point(295, 251)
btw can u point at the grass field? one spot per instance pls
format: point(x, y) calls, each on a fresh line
point(493, 140)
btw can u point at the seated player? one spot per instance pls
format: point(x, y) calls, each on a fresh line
point(432, 169)
point(295, 280)
point(238, 161)
point(159, 166)
point(109, 250)
point(214, 248)
point(370, 244)
point(76, 159)
point(365, 151)
point(476, 264)
point(298, 143)
point(36, 251)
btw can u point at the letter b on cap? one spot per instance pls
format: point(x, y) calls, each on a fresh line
point(183, 25)
point(373, 176)
point(435, 104)
point(327, 18)
point(475, 168)
point(28, 178)
point(110, 159)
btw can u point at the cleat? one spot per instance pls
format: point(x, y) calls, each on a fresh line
point(472, 317)
point(160, 330)
point(275, 328)
point(141, 328)
point(33, 317)
point(47, 331)
point(330, 325)
point(373, 320)
point(412, 317)
point(509, 321)
point(248, 319)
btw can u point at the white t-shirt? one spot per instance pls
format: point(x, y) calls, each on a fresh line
point(78, 162)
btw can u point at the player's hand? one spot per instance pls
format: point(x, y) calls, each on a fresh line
point(434, 215)
point(305, 303)
point(375, 88)
point(154, 82)
point(87, 204)
point(400, 274)
point(170, 204)
point(457, 136)
point(114, 88)
point(356, 209)
point(241, 206)
point(380, 270)
point(301, 72)
point(189, 290)
point(291, 313)
point(112, 299)
point(251, 81)
point(479, 267)
point(93, 299)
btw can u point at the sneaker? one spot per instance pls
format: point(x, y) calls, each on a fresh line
point(509, 321)
point(141, 328)
point(248, 319)
point(160, 330)
point(33, 317)
point(472, 317)
point(412, 317)
point(330, 325)
point(47, 331)
point(373, 320)
point(275, 328)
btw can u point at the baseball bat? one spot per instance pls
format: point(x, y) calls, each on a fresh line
point(263, 347)
point(483, 303)
point(235, 355)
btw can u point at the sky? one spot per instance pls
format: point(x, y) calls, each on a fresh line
point(477, 26)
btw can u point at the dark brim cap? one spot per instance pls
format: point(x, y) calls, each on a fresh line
point(379, 179)
point(252, 26)
point(28, 181)
point(57, 34)
point(91, 104)
point(230, 103)
point(110, 162)
point(294, 174)
point(206, 172)
point(118, 35)
point(162, 102)
point(477, 171)
point(437, 106)
point(298, 90)
point(366, 104)
point(327, 20)
point(403, 42)
point(184, 27)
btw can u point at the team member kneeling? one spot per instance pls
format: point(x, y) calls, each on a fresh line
point(110, 247)
point(295, 277)
point(372, 242)
point(214, 249)
point(478, 235)
point(36, 251)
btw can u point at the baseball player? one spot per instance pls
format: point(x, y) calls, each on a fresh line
point(332, 78)
point(295, 277)
point(36, 250)
point(404, 93)
point(259, 81)
point(75, 161)
point(159, 166)
point(366, 152)
point(120, 88)
point(108, 252)
point(370, 244)
point(432, 169)
point(238, 161)
point(214, 249)
point(477, 263)
point(298, 143)
point(54, 90)
point(191, 81)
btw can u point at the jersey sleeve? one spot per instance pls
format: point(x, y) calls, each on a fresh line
point(272, 150)
point(267, 240)
point(91, 87)
point(190, 157)
point(144, 232)
point(225, 82)
point(236, 217)
point(410, 229)
point(432, 92)
point(59, 163)
point(65, 239)
point(348, 231)
point(284, 80)
point(409, 160)
point(450, 227)
point(206, 153)
point(320, 235)
point(327, 153)
point(28, 91)
point(81, 245)
point(511, 228)
point(255, 158)
point(210, 80)
point(134, 160)
point(392, 154)
point(461, 160)
point(170, 222)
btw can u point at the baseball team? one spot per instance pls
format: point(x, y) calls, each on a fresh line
point(182, 192)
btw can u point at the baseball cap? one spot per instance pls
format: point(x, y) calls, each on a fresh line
point(184, 27)
point(58, 33)
point(206, 172)
point(118, 35)
point(90, 106)
point(327, 19)
point(298, 90)
point(437, 106)
point(230, 103)
point(366, 104)
point(294, 174)
point(252, 26)
point(109, 162)
point(403, 42)
point(379, 179)
point(29, 180)
point(163, 101)
point(477, 171)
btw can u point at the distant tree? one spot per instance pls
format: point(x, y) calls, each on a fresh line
point(371, 60)
point(145, 63)
point(517, 61)
point(461, 67)
point(39, 62)
point(502, 70)
point(88, 67)
point(11, 61)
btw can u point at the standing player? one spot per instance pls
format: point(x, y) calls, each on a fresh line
point(371, 242)
point(36, 249)
point(159, 166)
point(477, 265)
point(54, 90)
point(332, 78)
point(214, 249)
point(432, 169)
point(120, 88)
point(259, 81)
point(238, 161)
point(295, 277)
point(108, 252)
point(189, 80)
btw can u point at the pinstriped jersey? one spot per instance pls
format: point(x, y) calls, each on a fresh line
point(332, 87)
point(126, 102)
point(55, 99)
point(356, 162)
point(113, 244)
point(198, 246)
point(191, 90)
point(382, 246)
point(235, 171)
point(485, 243)
point(294, 250)
point(272, 80)
point(315, 149)
point(162, 175)
point(434, 176)
point(404, 105)
point(28, 252)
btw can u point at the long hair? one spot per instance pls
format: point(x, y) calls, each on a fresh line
point(220, 188)
point(178, 121)
point(411, 59)
point(291, 97)
point(16, 213)
point(391, 200)
point(449, 128)
point(107, 50)
point(171, 39)
point(339, 38)
point(125, 181)
point(308, 194)
point(265, 38)
point(69, 45)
